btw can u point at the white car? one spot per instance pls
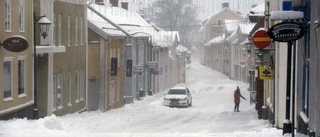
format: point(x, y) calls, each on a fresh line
point(178, 97)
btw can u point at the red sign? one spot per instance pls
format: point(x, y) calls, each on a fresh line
point(261, 39)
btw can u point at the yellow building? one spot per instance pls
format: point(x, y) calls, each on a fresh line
point(16, 68)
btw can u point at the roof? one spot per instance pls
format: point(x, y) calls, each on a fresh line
point(224, 10)
point(246, 28)
point(179, 88)
point(258, 10)
point(181, 48)
point(131, 22)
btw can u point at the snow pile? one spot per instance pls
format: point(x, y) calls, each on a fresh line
point(211, 115)
point(286, 15)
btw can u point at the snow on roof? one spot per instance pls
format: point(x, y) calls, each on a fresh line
point(181, 48)
point(220, 12)
point(166, 38)
point(246, 28)
point(132, 22)
point(232, 37)
point(258, 10)
point(232, 25)
point(216, 40)
point(286, 15)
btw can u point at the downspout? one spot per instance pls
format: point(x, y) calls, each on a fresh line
point(87, 45)
point(106, 73)
point(276, 84)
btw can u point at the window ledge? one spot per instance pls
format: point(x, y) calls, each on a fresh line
point(77, 101)
point(54, 109)
point(60, 107)
point(81, 99)
point(69, 104)
point(8, 99)
point(22, 95)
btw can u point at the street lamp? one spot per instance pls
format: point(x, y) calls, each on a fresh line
point(248, 46)
point(44, 24)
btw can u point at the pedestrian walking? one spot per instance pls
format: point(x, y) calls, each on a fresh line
point(237, 96)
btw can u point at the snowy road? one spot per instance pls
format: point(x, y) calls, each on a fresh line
point(211, 115)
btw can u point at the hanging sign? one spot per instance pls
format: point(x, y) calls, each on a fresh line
point(265, 73)
point(261, 39)
point(251, 61)
point(286, 31)
point(15, 44)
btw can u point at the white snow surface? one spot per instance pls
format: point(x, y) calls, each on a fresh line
point(210, 115)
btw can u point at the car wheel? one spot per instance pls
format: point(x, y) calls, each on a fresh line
point(190, 104)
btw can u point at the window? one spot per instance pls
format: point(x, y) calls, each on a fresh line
point(21, 15)
point(77, 86)
point(81, 84)
point(21, 75)
point(59, 91)
point(69, 29)
point(114, 64)
point(7, 78)
point(53, 100)
point(81, 29)
point(76, 33)
point(8, 15)
point(60, 31)
point(54, 30)
point(69, 89)
point(129, 68)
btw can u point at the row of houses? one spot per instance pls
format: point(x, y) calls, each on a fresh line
point(96, 55)
point(288, 100)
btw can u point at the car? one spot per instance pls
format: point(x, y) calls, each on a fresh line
point(178, 97)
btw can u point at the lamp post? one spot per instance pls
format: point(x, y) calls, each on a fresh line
point(44, 24)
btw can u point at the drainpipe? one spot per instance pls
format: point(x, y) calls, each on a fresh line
point(106, 73)
point(276, 83)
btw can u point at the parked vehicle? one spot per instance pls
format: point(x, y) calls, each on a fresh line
point(178, 97)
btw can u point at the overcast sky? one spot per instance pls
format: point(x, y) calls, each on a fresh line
point(205, 7)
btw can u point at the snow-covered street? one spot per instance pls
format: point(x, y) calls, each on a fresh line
point(211, 114)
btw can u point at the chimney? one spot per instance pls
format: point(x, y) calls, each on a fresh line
point(124, 5)
point(99, 2)
point(225, 5)
point(114, 3)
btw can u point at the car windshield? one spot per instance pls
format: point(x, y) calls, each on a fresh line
point(177, 91)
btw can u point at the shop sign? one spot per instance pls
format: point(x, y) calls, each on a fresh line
point(286, 31)
point(15, 44)
point(138, 68)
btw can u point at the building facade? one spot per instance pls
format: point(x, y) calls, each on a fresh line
point(16, 68)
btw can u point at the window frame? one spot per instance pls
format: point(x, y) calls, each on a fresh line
point(81, 31)
point(60, 91)
point(22, 94)
point(77, 82)
point(81, 85)
point(60, 30)
point(21, 15)
point(8, 16)
point(54, 87)
point(8, 59)
point(69, 89)
point(54, 30)
point(76, 32)
point(69, 31)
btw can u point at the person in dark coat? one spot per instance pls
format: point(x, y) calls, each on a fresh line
point(237, 96)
